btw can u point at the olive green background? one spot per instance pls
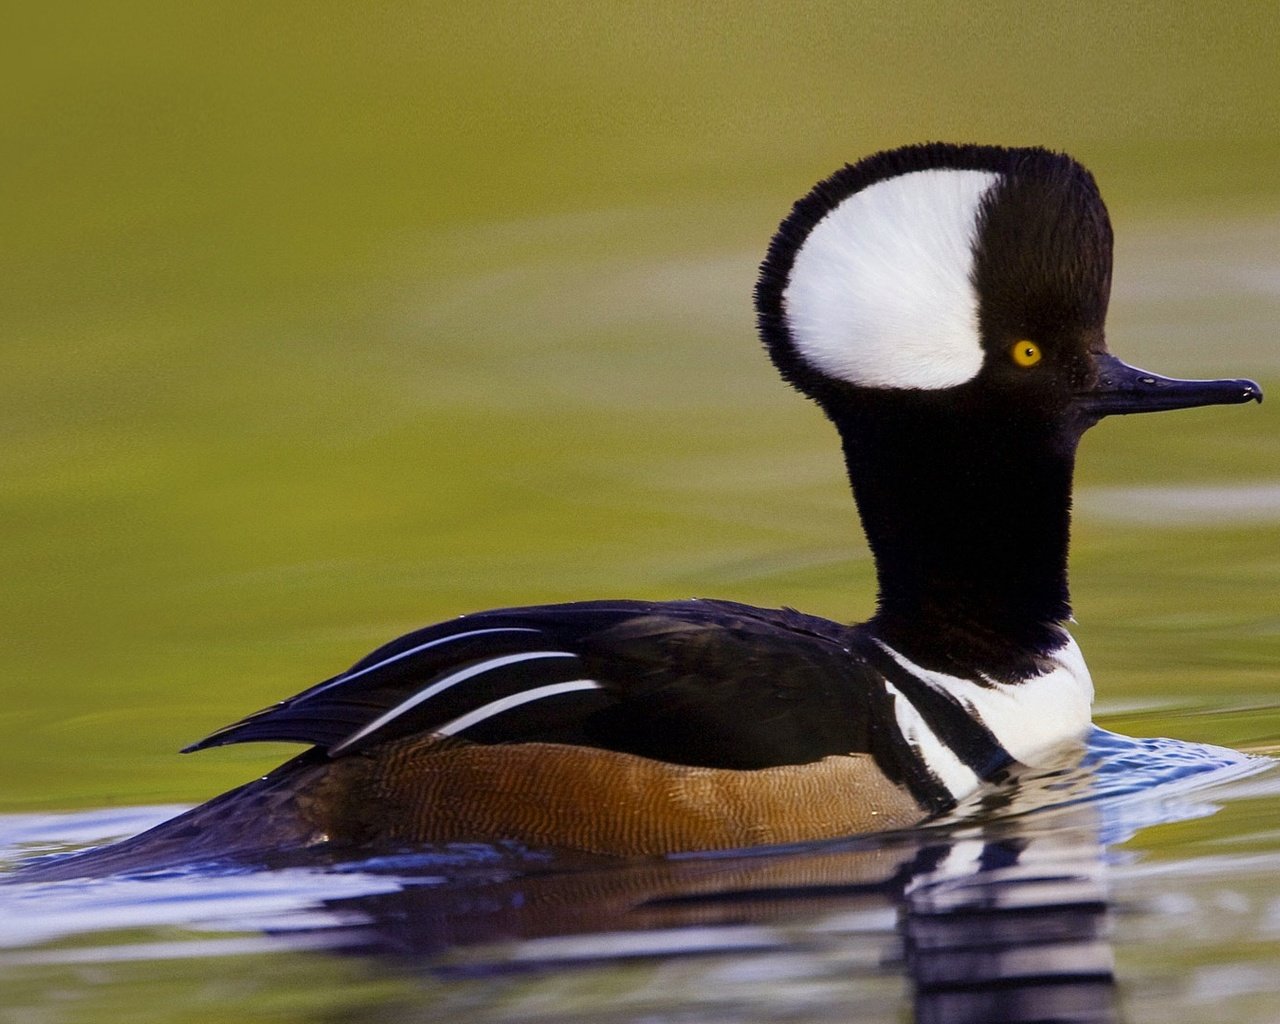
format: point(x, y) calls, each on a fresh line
point(322, 321)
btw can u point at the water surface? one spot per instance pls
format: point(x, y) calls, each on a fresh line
point(1037, 900)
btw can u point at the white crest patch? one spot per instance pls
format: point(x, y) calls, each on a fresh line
point(880, 291)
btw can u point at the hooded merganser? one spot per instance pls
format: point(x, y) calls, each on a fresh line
point(944, 305)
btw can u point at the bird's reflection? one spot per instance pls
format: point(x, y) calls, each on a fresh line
point(1011, 929)
point(990, 922)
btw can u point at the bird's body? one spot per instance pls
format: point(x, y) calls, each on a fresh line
point(633, 727)
point(944, 305)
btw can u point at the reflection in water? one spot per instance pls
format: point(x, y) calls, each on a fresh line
point(1018, 936)
point(988, 922)
point(998, 914)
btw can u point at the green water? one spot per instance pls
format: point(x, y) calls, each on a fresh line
point(322, 322)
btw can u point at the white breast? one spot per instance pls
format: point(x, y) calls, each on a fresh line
point(1030, 719)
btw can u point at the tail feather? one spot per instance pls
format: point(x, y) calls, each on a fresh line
point(267, 816)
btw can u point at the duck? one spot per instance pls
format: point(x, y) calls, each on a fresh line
point(944, 305)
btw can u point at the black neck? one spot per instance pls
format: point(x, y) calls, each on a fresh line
point(969, 520)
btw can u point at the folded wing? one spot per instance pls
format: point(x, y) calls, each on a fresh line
point(691, 682)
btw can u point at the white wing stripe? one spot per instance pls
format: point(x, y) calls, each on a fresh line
point(515, 700)
point(347, 677)
point(450, 680)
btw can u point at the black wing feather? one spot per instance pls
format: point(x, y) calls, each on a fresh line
point(693, 682)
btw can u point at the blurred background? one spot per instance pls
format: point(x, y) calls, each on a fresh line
point(323, 321)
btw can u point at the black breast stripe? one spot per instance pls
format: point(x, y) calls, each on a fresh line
point(971, 741)
point(903, 765)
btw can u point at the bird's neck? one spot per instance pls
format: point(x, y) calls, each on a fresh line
point(970, 531)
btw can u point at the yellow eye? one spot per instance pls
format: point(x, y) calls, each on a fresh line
point(1025, 353)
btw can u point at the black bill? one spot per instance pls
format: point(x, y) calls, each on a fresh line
point(1122, 388)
